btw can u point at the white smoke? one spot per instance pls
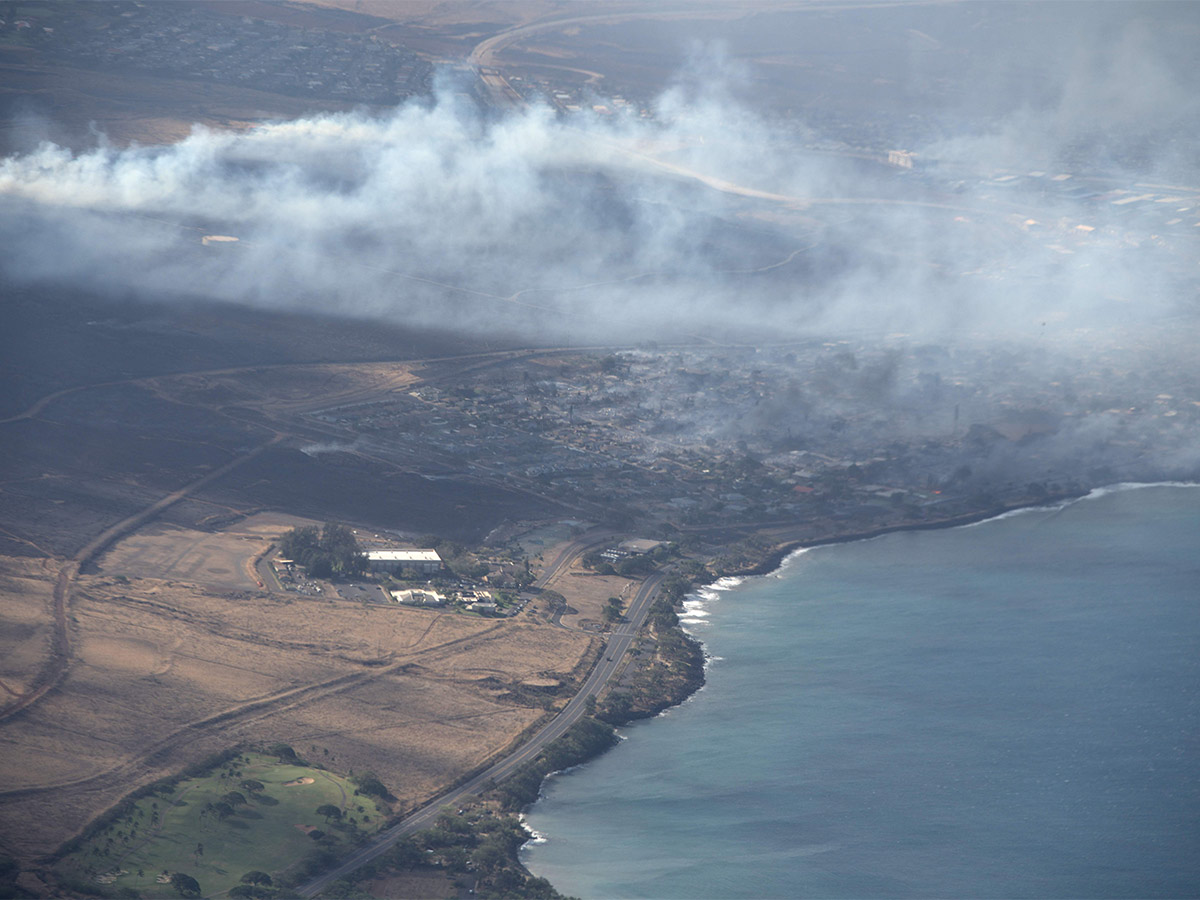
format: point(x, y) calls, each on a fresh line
point(702, 218)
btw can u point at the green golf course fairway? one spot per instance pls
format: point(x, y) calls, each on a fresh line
point(182, 832)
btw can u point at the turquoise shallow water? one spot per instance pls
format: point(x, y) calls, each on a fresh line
point(1010, 709)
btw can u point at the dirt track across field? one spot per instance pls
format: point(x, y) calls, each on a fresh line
point(166, 672)
point(153, 645)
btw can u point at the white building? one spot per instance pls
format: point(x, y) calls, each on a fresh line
point(419, 598)
point(405, 562)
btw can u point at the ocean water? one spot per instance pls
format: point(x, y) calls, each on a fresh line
point(1010, 709)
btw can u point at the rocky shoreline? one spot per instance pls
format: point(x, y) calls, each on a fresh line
point(775, 557)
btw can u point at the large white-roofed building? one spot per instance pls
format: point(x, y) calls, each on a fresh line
point(404, 562)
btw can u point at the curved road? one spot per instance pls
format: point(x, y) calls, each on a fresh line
point(569, 553)
point(59, 660)
point(618, 644)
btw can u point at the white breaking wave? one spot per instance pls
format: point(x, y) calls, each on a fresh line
point(1013, 513)
point(695, 605)
point(1094, 494)
point(694, 612)
point(535, 836)
point(1123, 486)
point(789, 559)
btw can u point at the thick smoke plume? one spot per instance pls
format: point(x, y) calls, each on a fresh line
point(696, 220)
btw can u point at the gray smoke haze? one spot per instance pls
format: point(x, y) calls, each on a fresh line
point(1110, 85)
point(703, 219)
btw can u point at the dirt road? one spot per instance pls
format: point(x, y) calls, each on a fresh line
point(60, 649)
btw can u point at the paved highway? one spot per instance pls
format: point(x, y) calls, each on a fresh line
point(611, 659)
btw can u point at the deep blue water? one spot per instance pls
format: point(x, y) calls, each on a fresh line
point(1010, 709)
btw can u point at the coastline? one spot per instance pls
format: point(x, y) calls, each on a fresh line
point(1100, 528)
point(771, 562)
point(775, 558)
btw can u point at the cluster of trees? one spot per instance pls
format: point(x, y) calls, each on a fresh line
point(630, 566)
point(457, 558)
point(612, 610)
point(185, 884)
point(368, 783)
point(486, 843)
point(331, 550)
point(585, 739)
point(255, 885)
point(224, 807)
point(465, 563)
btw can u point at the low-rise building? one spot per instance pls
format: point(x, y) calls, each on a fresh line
point(639, 546)
point(419, 598)
point(404, 562)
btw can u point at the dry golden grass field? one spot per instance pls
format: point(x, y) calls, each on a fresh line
point(26, 586)
point(286, 389)
point(221, 559)
point(167, 671)
point(587, 594)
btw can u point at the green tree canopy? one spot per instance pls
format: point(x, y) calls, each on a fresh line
point(635, 565)
point(223, 810)
point(186, 885)
point(406, 854)
point(331, 550)
point(489, 856)
point(612, 610)
point(329, 811)
point(370, 785)
point(256, 877)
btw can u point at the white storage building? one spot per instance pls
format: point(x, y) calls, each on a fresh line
point(404, 562)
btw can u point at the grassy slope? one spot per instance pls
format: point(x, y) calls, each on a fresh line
point(262, 835)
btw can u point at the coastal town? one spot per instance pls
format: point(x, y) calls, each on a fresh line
point(697, 445)
point(224, 47)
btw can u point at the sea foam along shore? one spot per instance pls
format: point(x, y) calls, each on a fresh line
point(696, 602)
point(695, 606)
point(1094, 494)
point(695, 613)
point(1115, 503)
point(773, 559)
point(778, 558)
